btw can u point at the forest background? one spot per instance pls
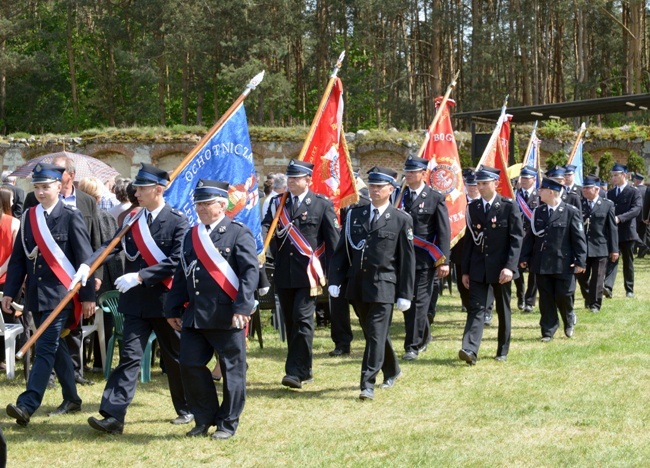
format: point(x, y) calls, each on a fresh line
point(67, 65)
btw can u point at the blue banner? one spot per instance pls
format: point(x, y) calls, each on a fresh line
point(228, 157)
point(578, 162)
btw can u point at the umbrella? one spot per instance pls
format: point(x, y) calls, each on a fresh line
point(86, 166)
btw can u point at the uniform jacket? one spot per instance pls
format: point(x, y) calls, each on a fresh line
point(639, 219)
point(600, 228)
point(384, 270)
point(146, 299)
point(628, 205)
point(532, 202)
point(43, 290)
point(19, 200)
point(209, 306)
point(317, 222)
point(561, 245)
point(430, 221)
point(499, 233)
point(572, 197)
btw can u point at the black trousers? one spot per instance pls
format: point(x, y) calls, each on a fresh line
point(75, 346)
point(626, 250)
point(526, 290)
point(375, 319)
point(298, 308)
point(592, 281)
point(479, 296)
point(197, 348)
point(120, 388)
point(340, 327)
point(462, 290)
point(416, 323)
point(555, 294)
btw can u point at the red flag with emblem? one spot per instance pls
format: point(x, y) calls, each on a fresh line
point(445, 174)
point(328, 152)
point(497, 156)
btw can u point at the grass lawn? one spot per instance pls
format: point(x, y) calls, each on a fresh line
point(580, 401)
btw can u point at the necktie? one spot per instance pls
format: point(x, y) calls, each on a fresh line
point(525, 195)
point(550, 212)
point(487, 208)
point(295, 204)
point(207, 228)
point(618, 191)
point(407, 199)
point(591, 204)
point(149, 219)
point(47, 215)
point(374, 218)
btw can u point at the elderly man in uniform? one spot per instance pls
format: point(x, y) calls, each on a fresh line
point(304, 241)
point(218, 276)
point(431, 236)
point(602, 242)
point(628, 204)
point(376, 256)
point(152, 249)
point(53, 242)
point(490, 260)
point(527, 194)
point(555, 250)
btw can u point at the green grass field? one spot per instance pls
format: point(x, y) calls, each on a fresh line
point(580, 401)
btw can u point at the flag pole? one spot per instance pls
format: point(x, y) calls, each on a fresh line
point(530, 144)
point(583, 130)
point(305, 146)
point(495, 134)
point(118, 237)
point(434, 122)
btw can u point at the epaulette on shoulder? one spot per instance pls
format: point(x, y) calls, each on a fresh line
point(403, 214)
point(572, 207)
point(506, 199)
point(238, 223)
point(177, 212)
point(69, 207)
point(474, 202)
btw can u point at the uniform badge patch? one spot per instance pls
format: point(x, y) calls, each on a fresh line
point(409, 234)
point(336, 223)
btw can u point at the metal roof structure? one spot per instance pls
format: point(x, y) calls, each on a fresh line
point(563, 110)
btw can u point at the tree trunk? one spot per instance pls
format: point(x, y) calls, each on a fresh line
point(71, 66)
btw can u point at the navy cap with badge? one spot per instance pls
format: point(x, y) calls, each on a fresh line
point(44, 173)
point(619, 168)
point(528, 172)
point(591, 181)
point(208, 190)
point(638, 176)
point(469, 177)
point(487, 173)
point(551, 185)
point(556, 172)
point(298, 168)
point(570, 169)
point(150, 175)
point(382, 176)
point(414, 163)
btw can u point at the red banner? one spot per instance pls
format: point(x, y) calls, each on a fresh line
point(445, 174)
point(328, 152)
point(498, 158)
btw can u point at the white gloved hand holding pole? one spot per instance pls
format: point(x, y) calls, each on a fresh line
point(81, 276)
point(334, 291)
point(403, 304)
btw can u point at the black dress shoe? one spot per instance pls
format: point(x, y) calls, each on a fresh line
point(67, 407)
point(18, 413)
point(183, 419)
point(500, 358)
point(629, 294)
point(389, 382)
point(339, 351)
point(468, 356)
point(528, 309)
point(568, 331)
point(107, 425)
point(200, 430)
point(607, 293)
point(81, 381)
point(488, 320)
point(410, 356)
point(521, 305)
point(594, 310)
point(222, 435)
point(545, 339)
point(367, 394)
point(291, 381)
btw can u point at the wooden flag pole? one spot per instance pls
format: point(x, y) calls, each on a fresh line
point(530, 142)
point(434, 122)
point(118, 237)
point(495, 134)
point(305, 146)
point(583, 130)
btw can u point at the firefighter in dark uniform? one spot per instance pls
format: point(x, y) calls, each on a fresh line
point(221, 300)
point(555, 250)
point(33, 262)
point(527, 292)
point(376, 256)
point(143, 288)
point(569, 197)
point(304, 244)
point(340, 327)
point(569, 180)
point(602, 242)
point(432, 233)
point(628, 204)
point(490, 259)
point(641, 249)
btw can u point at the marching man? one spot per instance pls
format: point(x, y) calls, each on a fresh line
point(53, 243)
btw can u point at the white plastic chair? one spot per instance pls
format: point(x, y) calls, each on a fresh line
point(96, 327)
point(10, 331)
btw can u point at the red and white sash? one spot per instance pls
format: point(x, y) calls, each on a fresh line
point(314, 268)
point(147, 246)
point(53, 255)
point(214, 262)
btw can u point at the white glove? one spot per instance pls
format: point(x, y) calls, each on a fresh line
point(81, 276)
point(126, 282)
point(403, 304)
point(334, 291)
point(263, 291)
